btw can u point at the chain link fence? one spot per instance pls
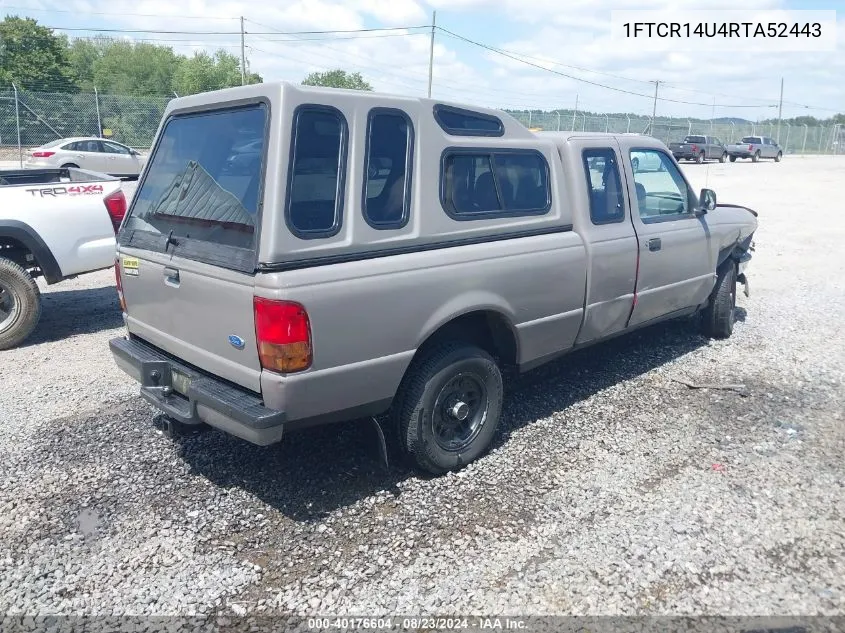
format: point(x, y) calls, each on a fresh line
point(30, 119)
point(801, 139)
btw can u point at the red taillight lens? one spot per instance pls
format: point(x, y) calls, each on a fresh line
point(42, 154)
point(116, 206)
point(119, 284)
point(750, 148)
point(695, 148)
point(283, 333)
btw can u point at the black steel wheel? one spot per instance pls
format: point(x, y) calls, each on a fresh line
point(449, 406)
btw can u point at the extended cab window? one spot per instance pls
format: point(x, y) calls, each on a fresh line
point(662, 194)
point(203, 184)
point(484, 184)
point(387, 188)
point(695, 139)
point(314, 205)
point(604, 186)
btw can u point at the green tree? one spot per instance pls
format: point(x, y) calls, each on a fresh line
point(83, 54)
point(204, 72)
point(141, 68)
point(32, 57)
point(337, 79)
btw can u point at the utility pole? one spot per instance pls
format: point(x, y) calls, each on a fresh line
point(654, 109)
point(431, 52)
point(243, 54)
point(780, 107)
point(575, 113)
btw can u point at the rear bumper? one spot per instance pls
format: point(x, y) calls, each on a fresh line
point(741, 154)
point(206, 400)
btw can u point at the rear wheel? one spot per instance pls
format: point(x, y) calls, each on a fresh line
point(717, 320)
point(723, 157)
point(700, 158)
point(449, 407)
point(20, 304)
point(778, 157)
point(69, 165)
point(733, 159)
point(756, 156)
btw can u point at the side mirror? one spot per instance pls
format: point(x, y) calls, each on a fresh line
point(708, 200)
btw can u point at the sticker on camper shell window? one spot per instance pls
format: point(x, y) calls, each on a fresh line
point(130, 266)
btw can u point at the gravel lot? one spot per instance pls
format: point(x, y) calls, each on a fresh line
point(612, 488)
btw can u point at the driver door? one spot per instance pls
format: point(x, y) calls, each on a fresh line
point(676, 270)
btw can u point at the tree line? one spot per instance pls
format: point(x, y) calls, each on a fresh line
point(35, 58)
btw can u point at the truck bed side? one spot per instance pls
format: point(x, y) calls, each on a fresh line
point(65, 212)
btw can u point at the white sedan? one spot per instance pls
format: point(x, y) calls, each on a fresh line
point(94, 154)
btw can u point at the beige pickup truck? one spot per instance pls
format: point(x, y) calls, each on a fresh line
point(391, 255)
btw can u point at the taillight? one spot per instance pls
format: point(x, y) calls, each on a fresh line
point(119, 284)
point(283, 334)
point(116, 206)
point(695, 148)
point(42, 154)
point(750, 148)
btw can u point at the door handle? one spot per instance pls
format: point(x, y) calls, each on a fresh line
point(654, 244)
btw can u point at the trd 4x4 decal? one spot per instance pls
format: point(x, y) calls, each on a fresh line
point(75, 190)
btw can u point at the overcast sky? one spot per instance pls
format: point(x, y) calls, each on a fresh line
point(574, 40)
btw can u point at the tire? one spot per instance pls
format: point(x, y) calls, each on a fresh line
point(733, 159)
point(723, 158)
point(778, 157)
point(67, 165)
point(635, 164)
point(756, 156)
point(449, 406)
point(699, 158)
point(717, 320)
point(20, 304)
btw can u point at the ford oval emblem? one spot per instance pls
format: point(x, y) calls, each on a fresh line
point(236, 341)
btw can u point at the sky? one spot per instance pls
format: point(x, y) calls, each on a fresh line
point(562, 37)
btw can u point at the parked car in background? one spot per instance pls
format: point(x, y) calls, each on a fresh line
point(94, 154)
point(699, 149)
point(55, 224)
point(400, 271)
point(755, 148)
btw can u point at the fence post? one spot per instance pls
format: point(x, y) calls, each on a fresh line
point(786, 143)
point(628, 128)
point(529, 118)
point(689, 127)
point(558, 121)
point(584, 126)
point(821, 140)
point(733, 132)
point(18, 126)
point(606, 123)
point(804, 146)
point(99, 122)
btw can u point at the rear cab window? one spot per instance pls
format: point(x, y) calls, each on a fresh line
point(604, 186)
point(202, 188)
point(752, 140)
point(695, 139)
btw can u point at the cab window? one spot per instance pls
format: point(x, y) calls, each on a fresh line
point(604, 186)
point(662, 194)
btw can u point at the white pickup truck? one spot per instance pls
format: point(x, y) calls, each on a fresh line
point(55, 224)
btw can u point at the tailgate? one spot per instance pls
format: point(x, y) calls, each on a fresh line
point(199, 313)
point(188, 245)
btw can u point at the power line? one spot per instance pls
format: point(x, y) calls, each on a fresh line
point(165, 32)
point(581, 79)
point(139, 15)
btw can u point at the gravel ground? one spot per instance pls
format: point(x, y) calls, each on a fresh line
point(612, 488)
